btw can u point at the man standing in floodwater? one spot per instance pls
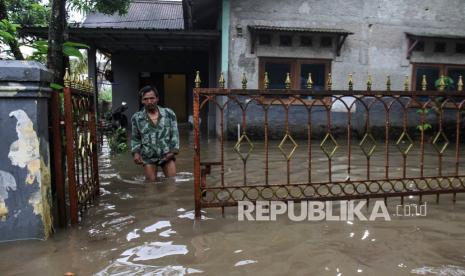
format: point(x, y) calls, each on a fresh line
point(155, 136)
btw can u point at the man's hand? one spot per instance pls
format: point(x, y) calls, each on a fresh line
point(138, 159)
point(168, 156)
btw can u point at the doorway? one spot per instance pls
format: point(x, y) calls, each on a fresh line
point(172, 90)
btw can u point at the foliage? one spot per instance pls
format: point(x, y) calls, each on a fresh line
point(28, 12)
point(70, 49)
point(448, 81)
point(424, 126)
point(118, 141)
point(105, 94)
point(8, 32)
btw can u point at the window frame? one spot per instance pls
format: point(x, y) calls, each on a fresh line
point(443, 70)
point(295, 65)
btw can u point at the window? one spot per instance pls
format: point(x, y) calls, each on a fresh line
point(440, 47)
point(277, 68)
point(264, 39)
point(306, 41)
point(420, 46)
point(434, 72)
point(326, 42)
point(285, 40)
point(460, 48)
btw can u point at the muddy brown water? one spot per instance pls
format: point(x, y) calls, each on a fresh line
point(138, 228)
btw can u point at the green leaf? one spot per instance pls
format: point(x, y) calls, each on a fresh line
point(56, 86)
point(6, 36)
point(76, 45)
point(72, 52)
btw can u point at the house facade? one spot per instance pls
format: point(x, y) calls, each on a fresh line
point(165, 42)
point(378, 38)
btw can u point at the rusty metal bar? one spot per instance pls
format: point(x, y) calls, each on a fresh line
point(70, 156)
point(197, 192)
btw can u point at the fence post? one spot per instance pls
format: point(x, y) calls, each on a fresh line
point(69, 133)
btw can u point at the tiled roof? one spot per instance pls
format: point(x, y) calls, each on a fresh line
point(143, 14)
point(298, 29)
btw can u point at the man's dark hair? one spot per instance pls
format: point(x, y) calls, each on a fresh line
point(146, 89)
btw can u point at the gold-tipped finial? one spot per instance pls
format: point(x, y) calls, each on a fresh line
point(351, 82)
point(460, 84)
point(221, 82)
point(86, 85)
point(388, 83)
point(66, 78)
point(266, 81)
point(197, 80)
point(244, 81)
point(424, 83)
point(369, 83)
point(73, 80)
point(406, 84)
point(287, 82)
point(309, 81)
point(442, 83)
point(329, 82)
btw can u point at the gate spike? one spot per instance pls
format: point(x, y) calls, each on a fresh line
point(221, 82)
point(351, 82)
point(369, 82)
point(287, 82)
point(197, 80)
point(388, 83)
point(424, 83)
point(66, 78)
point(460, 84)
point(329, 83)
point(442, 84)
point(406, 84)
point(309, 81)
point(244, 81)
point(266, 81)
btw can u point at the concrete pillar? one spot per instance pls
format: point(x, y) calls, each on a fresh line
point(25, 183)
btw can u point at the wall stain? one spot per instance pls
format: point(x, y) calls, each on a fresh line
point(7, 183)
point(25, 151)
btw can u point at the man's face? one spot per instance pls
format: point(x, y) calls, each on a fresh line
point(150, 100)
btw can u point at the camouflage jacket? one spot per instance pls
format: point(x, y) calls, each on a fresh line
point(154, 141)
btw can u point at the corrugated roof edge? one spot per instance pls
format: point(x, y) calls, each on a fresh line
point(298, 29)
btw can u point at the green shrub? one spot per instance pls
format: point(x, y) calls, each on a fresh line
point(118, 141)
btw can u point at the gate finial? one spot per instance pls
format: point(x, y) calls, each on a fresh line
point(266, 81)
point(329, 83)
point(197, 80)
point(369, 83)
point(221, 82)
point(244, 81)
point(406, 84)
point(66, 78)
point(287, 82)
point(309, 81)
point(442, 83)
point(460, 84)
point(388, 83)
point(424, 83)
point(351, 83)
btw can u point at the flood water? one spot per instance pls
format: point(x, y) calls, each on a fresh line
point(138, 228)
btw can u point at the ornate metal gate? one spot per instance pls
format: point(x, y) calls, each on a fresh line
point(77, 113)
point(353, 144)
